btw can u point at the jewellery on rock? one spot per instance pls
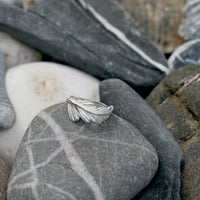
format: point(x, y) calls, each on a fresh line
point(88, 111)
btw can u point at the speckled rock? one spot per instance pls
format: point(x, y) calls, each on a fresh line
point(130, 106)
point(177, 101)
point(15, 52)
point(4, 177)
point(7, 113)
point(59, 159)
point(189, 28)
point(185, 55)
point(159, 19)
point(35, 86)
point(98, 37)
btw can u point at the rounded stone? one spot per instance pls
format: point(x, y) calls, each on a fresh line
point(15, 52)
point(177, 101)
point(35, 86)
point(60, 159)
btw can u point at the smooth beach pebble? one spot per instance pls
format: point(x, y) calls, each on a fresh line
point(59, 159)
point(35, 86)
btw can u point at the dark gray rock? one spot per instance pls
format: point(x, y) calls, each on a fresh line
point(187, 54)
point(189, 28)
point(59, 159)
point(98, 37)
point(4, 177)
point(177, 101)
point(130, 106)
point(7, 113)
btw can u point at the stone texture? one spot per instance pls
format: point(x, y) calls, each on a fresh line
point(189, 28)
point(159, 19)
point(35, 86)
point(186, 54)
point(4, 177)
point(7, 113)
point(176, 101)
point(60, 159)
point(15, 52)
point(130, 106)
point(101, 38)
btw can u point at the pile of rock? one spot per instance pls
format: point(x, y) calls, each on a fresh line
point(100, 53)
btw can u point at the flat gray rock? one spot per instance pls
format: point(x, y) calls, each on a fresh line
point(4, 177)
point(186, 54)
point(59, 159)
point(130, 106)
point(98, 37)
point(190, 26)
point(177, 101)
point(7, 113)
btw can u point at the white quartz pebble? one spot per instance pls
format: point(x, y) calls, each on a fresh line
point(35, 86)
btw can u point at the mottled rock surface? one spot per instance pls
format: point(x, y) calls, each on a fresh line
point(59, 159)
point(159, 19)
point(35, 86)
point(98, 37)
point(4, 177)
point(15, 52)
point(185, 55)
point(177, 101)
point(189, 28)
point(7, 113)
point(130, 106)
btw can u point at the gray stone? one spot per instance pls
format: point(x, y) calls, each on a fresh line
point(130, 106)
point(177, 101)
point(7, 113)
point(189, 28)
point(187, 54)
point(4, 177)
point(59, 159)
point(98, 37)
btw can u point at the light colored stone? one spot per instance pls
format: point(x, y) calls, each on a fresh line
point(15, 52)
point(35, 86)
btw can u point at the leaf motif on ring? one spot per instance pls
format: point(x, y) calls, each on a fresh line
point(88, 111)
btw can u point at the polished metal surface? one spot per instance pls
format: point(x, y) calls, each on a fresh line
point(88, 111)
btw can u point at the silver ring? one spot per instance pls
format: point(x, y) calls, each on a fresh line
point(89, 111)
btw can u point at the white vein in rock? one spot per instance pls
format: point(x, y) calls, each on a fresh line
point(121, 36)
point(34, 172)
point(48, 160)
point(76, 163)
point(61, 191)
point(180, 50)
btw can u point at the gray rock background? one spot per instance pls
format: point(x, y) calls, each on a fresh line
point(130, 106)
point(177, 101)
point(59, 159)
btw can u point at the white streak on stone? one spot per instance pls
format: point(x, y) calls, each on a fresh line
point(48, 160)
point(120, 35)
point(23, 186)
point(195, 9)
point(32, 167)
point(61, 191)
point(116, 142)
point(189, 4)
point(179, 50)
point(76, 163)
